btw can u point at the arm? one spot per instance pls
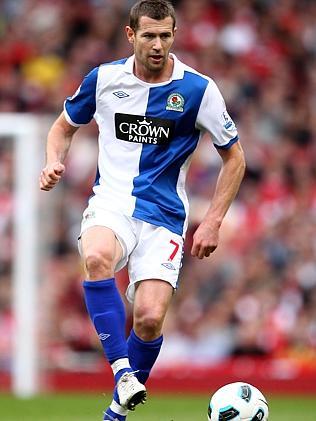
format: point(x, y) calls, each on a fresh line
point(58, 143)
point(205, 238)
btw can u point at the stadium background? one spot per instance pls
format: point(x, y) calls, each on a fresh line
point(248, 311)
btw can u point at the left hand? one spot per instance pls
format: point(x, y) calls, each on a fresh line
point(205, 240)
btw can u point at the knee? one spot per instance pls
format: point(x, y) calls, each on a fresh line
point(98, 265)
point(148, 324)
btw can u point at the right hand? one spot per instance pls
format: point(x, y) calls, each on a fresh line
point(51, 175)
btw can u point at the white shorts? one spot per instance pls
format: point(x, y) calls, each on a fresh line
point(151, 252)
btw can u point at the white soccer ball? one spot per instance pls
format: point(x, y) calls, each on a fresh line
point(238, 402)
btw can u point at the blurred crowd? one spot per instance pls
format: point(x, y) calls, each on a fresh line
point(256, 295)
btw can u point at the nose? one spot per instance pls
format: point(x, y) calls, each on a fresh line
point(157, 45)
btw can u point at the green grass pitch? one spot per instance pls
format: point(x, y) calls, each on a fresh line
point(179, 407)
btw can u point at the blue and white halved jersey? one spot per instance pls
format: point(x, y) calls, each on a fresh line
point(148, 133)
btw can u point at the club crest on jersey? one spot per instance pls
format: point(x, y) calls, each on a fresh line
point(175, 102)
point(141, 129)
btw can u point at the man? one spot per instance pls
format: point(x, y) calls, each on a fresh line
point(151, 110)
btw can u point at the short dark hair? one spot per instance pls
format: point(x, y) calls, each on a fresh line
point(154, 9)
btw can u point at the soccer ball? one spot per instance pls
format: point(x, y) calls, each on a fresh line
point(238, 402)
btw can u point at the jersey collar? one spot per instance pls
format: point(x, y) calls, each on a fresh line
point(178, 68)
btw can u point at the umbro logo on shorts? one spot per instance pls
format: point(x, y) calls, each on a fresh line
point(168, 266)
point(141, 129)
point(120, 94)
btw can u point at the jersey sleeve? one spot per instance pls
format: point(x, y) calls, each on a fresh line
point(214, 118)
point(80, 108)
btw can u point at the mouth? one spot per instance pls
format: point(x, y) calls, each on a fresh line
point(156, 58)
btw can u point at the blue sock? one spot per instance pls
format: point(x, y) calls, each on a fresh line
point(113, 417)
point(111, 414)
point(143, 355)
point(107, 312)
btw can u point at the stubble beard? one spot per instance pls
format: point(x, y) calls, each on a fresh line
point(156, 68)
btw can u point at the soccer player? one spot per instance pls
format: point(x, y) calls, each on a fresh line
point(151, 110)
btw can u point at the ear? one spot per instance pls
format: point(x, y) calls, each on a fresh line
point(130, 34)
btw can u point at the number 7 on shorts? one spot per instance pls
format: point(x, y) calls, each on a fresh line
point(174, 251)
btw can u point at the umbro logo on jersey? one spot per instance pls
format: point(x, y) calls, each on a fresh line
point(141, 129)
point(120, 94)
point(104, 336)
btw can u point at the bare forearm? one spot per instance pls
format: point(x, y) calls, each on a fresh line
point(58, 143)
point(58, 140)
point(205, 238)
point(227, 186)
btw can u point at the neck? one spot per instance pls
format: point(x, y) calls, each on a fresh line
point(151, 76)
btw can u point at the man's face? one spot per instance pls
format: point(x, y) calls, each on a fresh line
point(152, 42)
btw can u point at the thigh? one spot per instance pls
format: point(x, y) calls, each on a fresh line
point(157, 256)
point(101, 240)
point(106, 232)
